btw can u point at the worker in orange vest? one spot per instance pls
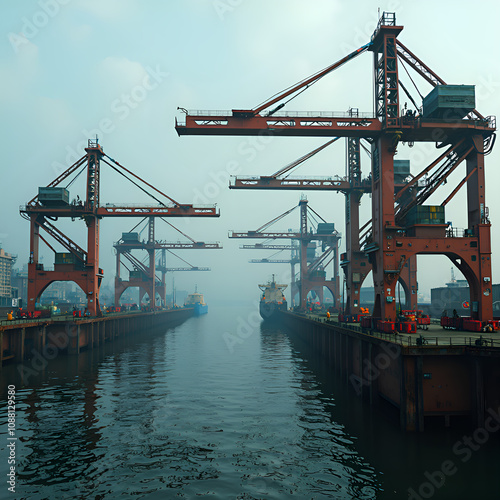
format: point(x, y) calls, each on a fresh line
point(10, 316)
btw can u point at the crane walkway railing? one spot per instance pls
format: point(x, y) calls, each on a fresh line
point(290, 177)
point(282, 114)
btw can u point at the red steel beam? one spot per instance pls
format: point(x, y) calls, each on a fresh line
point(303, 158)
point(177, 211)
point(312, 125)
point(283, 235)
point(427, 194)
point(139, 178)
point(196, 245)
point(178, 230)
point(415, 179)
point(167, 245)
point(264, 235)
point(260, 246)
point(123, 211)
point(418, 65)
point(63, 176)
point(309, 81)
point(194, 268)
point(61, 238)
point(423, 70)
point(290, 183)
point(321, 125)
point(47, 243)
point(457, 189)
point(137, 263)
point(272, 261)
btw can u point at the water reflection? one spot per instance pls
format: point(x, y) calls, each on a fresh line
point(177, 414)
point(323, 453)
point(57, 430)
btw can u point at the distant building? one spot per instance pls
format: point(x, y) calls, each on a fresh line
point(6, 262)
point(20, 283)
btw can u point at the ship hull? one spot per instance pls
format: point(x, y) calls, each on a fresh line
point(200, 309)
point(269, 310)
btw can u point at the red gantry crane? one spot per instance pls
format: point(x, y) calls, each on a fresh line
point(143, 275)
point(78, 264)
point(402, 225)
point(311, 277)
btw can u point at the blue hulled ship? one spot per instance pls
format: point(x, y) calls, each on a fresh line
point(196, 300)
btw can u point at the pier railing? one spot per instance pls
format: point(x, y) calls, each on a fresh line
point(55, 318)
point(420, 340)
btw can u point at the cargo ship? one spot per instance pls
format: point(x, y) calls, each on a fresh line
point(272, 300)
point(196, 300)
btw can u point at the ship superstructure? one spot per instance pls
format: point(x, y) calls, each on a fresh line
point(272, 299)
point(196, 300)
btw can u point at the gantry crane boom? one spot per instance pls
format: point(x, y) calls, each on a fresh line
point(268, 235)
point(192, 268)
point(324, 124)
point(389, 243)
point(271, 261)
point(284, 236)
point(290, 124)
point(262, 246)
point(110, 210)
point(293, 183)
point(282, 179)
point(172, 245)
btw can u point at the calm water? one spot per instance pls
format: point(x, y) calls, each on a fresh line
point(219, 407)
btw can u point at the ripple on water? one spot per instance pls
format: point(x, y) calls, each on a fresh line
point(179, 415)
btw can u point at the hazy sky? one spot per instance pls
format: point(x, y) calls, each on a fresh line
point(72, 68)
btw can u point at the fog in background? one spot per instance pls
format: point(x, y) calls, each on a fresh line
point(71, 69)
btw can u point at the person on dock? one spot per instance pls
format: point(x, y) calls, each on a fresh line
point(10, 316)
